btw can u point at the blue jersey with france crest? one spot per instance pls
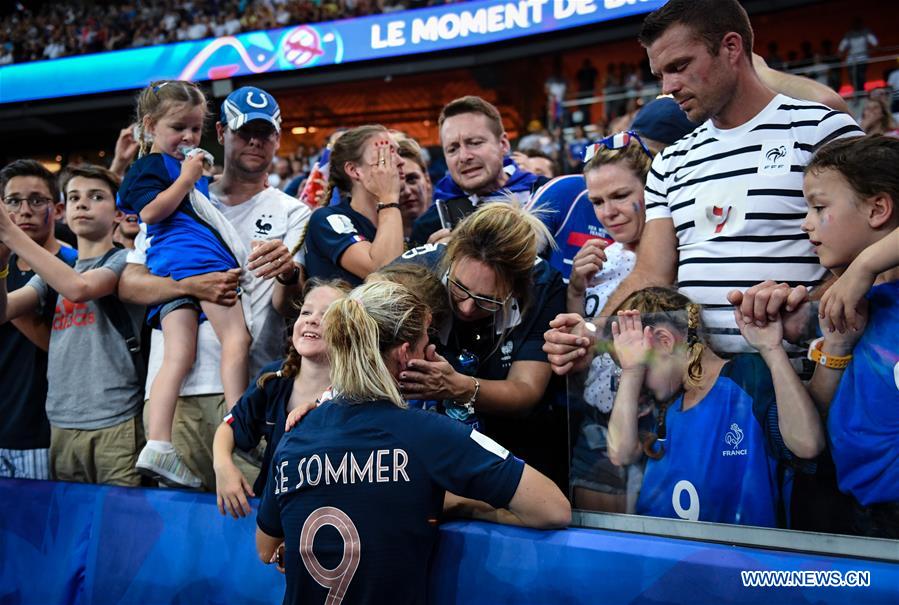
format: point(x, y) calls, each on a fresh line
point(183, 244)
point(331, 232)
point(356, 491)
point(720, 460)
point(863, 421)
point(570, 217)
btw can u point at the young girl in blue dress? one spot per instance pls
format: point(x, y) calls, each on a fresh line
point(723, 425)
point(189, 237)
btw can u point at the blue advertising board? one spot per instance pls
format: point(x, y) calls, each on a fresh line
point(75, 544)
point(369, 38)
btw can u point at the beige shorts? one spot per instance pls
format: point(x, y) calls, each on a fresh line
point(196, 419)
point(99, 456)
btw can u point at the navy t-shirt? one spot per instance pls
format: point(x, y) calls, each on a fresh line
point(331, 231)
point(360, 487)
point(539, 437)
point(23, 374)
point(261, 412)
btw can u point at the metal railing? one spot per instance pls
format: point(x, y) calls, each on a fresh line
point(651, 89)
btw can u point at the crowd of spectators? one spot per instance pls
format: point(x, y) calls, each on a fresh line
point(630, 242)
point(624, 87)
point(34, 31)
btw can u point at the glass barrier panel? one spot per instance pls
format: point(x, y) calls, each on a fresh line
point(679, 417)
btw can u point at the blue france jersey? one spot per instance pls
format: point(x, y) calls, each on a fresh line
point(183, 244)
point(716, 466)
point(570, 218)
point(863, 422)
point(331, 232)
point(358, 489)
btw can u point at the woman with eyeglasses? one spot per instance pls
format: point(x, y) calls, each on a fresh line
point(488, 366)
point(357, 489)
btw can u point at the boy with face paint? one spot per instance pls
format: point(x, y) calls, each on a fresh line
point(851, 190)
point(31, 198)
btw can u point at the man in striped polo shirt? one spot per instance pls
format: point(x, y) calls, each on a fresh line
point(724, 204)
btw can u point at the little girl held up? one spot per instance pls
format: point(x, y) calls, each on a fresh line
point(190, 237)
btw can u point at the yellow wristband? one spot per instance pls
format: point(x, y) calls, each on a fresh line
point(4, 272)
point(834, 362)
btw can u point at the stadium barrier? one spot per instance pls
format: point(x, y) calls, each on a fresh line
point(86, 544)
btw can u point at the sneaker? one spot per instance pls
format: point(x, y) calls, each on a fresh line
point(166, 467)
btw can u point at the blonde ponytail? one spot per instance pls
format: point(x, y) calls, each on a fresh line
point(362, 329)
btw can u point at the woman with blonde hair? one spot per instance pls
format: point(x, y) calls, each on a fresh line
point(488, 366)
point(377, 472)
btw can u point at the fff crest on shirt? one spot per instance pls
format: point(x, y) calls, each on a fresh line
point(775, 157)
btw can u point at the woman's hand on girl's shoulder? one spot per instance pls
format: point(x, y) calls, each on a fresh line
point(297, 413)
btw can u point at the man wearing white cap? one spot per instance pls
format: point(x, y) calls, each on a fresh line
point(271, 223)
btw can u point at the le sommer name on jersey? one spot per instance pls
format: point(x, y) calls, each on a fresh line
point(379, 466)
